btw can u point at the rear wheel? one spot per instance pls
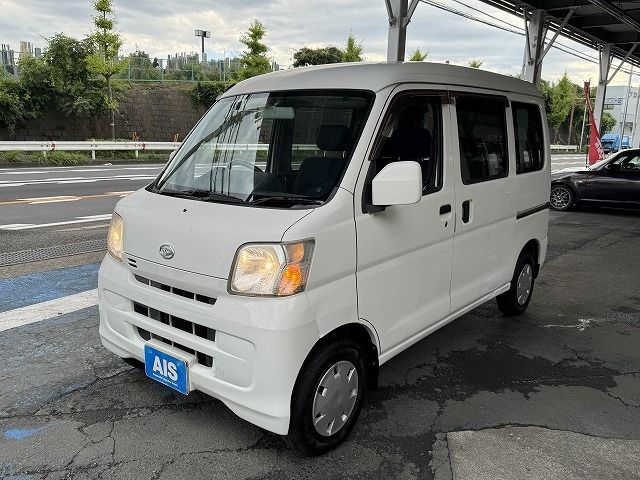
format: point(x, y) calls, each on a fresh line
point(516, 299)
point(327, 398)
point(561, 198)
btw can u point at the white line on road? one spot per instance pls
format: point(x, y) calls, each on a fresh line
point(62, 180)
point(31, 226)
point(47, 310)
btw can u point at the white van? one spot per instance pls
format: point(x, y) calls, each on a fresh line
point(318, 221)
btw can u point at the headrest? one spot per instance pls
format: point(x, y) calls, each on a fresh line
point(333, 138)
point(415, 143)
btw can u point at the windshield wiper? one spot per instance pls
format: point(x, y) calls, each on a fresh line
point(201, 194)
point(287, 200)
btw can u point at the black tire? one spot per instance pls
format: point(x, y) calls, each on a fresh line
point(303, 435)
point(561, 197)
point(509, 302)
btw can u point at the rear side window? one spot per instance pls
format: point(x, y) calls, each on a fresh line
point(483, 138)
point(527, 123)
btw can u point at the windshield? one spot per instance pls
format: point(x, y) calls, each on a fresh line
point(279, 149)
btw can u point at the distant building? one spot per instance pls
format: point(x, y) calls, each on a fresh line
point(37, 52)
point(26, 48)
point(8, 59)
point(274, 66)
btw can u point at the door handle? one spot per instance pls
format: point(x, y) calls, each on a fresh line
point(466, 211)
point(444, 209)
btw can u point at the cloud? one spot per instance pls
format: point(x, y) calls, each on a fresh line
point(163, 27)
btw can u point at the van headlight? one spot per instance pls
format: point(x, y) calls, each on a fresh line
point(115, 237)
point(271, 269)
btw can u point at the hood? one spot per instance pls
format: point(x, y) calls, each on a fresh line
point(204, 235)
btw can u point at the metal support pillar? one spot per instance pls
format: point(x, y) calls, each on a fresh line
point(535, 33)
point(601, 91)
point(400, 13)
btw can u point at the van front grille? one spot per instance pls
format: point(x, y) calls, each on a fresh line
point(176, 291)
point(179, 323)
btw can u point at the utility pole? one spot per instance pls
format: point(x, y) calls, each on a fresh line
point(626, 106)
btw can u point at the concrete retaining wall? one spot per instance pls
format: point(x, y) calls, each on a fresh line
point(153, 112)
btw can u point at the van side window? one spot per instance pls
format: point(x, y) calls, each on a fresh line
point(527, 124)
point(412, 132)
point(483, 138)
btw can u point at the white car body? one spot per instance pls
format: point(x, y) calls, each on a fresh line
point(397, 274)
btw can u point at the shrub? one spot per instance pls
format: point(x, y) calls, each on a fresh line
point(206, 93)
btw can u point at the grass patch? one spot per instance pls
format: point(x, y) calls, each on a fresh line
point(60, 158)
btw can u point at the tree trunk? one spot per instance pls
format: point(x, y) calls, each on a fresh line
point(113, 115)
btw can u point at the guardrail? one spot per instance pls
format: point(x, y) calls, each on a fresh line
point(131, 146)
point(569, 148)
point(93, 147)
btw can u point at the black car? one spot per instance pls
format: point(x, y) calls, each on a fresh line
point(614, 182)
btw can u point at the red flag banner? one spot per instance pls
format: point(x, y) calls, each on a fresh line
point(595, 147)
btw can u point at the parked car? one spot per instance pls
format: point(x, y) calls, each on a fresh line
point(611, 142)
point(304, 234)
point(613, 182)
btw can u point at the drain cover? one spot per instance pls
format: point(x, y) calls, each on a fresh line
point(55, 251)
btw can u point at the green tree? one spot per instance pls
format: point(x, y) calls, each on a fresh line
point(418, 56)
point(254, 60)
point(607, 122)
point(76, 92)
point(562, 96)
point(14, 105)
point(105, 61)
point(141, 67)
point(316, 56)
point(352, 51)
point(475, 63)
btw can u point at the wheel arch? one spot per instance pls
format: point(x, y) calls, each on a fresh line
point(361, 333)
point(533, 247)
point(570, 185)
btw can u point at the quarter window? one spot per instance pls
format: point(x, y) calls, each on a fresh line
point(482, 137)
point(527, 124)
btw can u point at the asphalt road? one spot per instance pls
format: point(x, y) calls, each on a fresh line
point(32, 198)
point(553, 394)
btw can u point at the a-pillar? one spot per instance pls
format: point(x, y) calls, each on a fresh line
point(534, 47)
point(605, 64)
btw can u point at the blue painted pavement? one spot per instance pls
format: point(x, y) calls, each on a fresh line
point(34, 288)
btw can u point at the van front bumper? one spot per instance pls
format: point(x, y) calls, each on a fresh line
point(253, 355)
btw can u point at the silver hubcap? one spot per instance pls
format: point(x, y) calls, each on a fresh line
point(335, 398)
point(525, 281)
point(560, 197)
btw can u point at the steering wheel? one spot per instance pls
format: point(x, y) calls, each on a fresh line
point(244, 163)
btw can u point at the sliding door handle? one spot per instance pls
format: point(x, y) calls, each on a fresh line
point(466, 211)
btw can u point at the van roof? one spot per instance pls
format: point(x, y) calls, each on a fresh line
point(375, 76)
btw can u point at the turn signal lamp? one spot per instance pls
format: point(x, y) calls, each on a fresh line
point(275, 270)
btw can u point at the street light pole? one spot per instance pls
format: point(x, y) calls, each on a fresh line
point(203, 34)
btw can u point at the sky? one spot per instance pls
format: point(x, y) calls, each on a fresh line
point(162, 27)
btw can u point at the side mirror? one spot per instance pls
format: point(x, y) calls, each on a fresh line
point(399, 183)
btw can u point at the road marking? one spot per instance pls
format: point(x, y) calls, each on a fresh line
point(70, 180)
point(47, 310)
point(31, 226)
point(64, 198)
point(77, 229)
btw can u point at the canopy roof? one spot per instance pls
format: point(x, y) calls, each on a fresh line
point(592, 23)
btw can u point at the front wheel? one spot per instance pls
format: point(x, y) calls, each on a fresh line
point(561, 198)
point(516, 299)
point(327, 398)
